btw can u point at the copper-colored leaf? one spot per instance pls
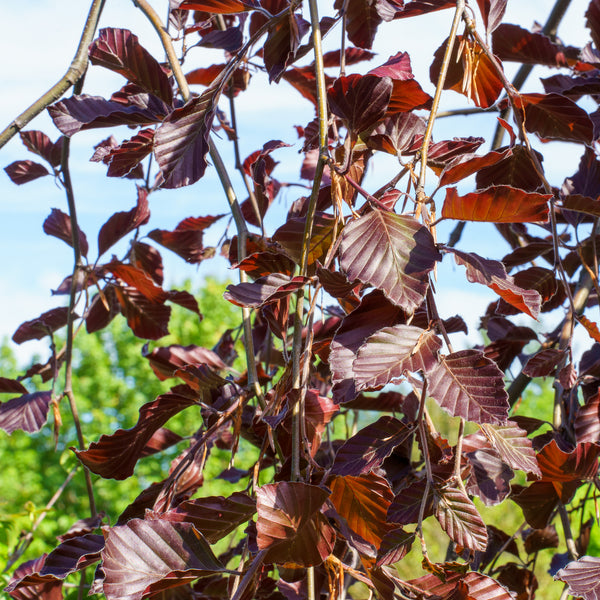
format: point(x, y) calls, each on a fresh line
point(497, 204)
point(290, 525)
point(587, 420)
point(363, 501)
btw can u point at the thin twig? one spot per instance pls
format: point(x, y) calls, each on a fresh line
point(77, 271)
point(420, 192)
point(75, 71)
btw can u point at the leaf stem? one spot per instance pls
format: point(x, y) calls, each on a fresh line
point(420, 192)
point(75, 71)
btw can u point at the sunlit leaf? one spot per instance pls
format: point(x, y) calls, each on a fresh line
point(264, 290)
point(223, 7)
point(582, 577)
point(39, 143)
point(23, 171)
point(290, 525)
point(363, 501)
point(513, 445)
point(468, 385)
point(146, 556)
point(391, 252)
point(587, 420)
point(497, 204)
point(391, 351)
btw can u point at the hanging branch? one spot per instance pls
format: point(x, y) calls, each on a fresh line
point(74, 73)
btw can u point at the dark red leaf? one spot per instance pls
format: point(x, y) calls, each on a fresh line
point(513, 43)
point(362, 20)
point(391, 252)
point(282, 43)
point(303, 79)
point(367, 449)
point(148, 259)
point(148, 319)
point(583, 577)
point(186, 240)
point(11, 386)
point(40, 327)
point(556, 117)
point(516, 170)
point(87, 112)
point(478, 586)
point(58, 224)
point(27, 412)
point(587, 421)
point(23, 171)
point(468, 385)
point(467, 165)
point(497, 204)
point(421, 7)
point(103, 310)
point(543, 363)
point(561, 467)
point(540, 539)
point(181, 142)
point(361, 100)
point(220, 7)
point(124, 159)
point(38, 588)
point(146, 556)
point(490, 476)
point(290, 526)
point(214, 517)
point(264, 290)
point(115, 456)
point(396, 133)
point(406, 506)
point(492, 12)
point(39, 143)
point(493, 274)
point(166, 360)
point(119, 50)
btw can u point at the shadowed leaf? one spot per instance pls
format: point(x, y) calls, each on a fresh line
point(165, 361)
point(44, 325)
point(367, 449)
point(282, 43)
point(392, 351)
point(290, 525)
point(264, 290)
point(39, 143)
point(38, 588)
point(146, 556)
point(27, 412)
point(497, 204)
point(148, 319)
point(556, 117)
point(543, 363)
point(490, 476)
point(492, 12)
point(222, 7)
point(540, 539)
point(391, 252)
point(468, 385)
point(406, 505)
point(122, 223)
point(362, 20)
point(115, 456)
point(214, 517)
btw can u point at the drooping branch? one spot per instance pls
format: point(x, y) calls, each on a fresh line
point(74, 73)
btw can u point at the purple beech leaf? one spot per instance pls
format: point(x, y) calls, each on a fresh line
point(540, 539)
point(467, 384)
point(363, 501)
point(459, 518)
point(119, 50)
point(492, 12)
point(420, 7)
point(493, 274)
point(396, 133)
point(467, 165)
point(40, 327)
point(391, 252)
point(362, 21)
point(406, 506)
point(513, 445)
point(124, 160)
point(39, 143)
point(367, 449)
point(11, 386)
point(361, 100)
point(122, 223)
point(497, 204)
point(373, 313)
point(147, 319)
point(58, 224)
point(516, 169)
point(392, 351)
point(587, 421)
point(290, 526)
point(489, 477)
point(543, 363)
point(560, 467)
point(165, 361)
point(583, 577)
point(394, 546)
point(38, 588)
point(479, 586)
point(556, 117)
point(27, 412)
point(115, 456)
point(147, 556)
point(24, 171)
point(214, 517)
point(181, 142)
point(581, 204)
point(88, 112)
point(187, 239)
point(264, 290)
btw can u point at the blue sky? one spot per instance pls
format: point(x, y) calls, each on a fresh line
point(39, 45)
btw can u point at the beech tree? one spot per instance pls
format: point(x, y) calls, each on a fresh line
point(339, 320)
